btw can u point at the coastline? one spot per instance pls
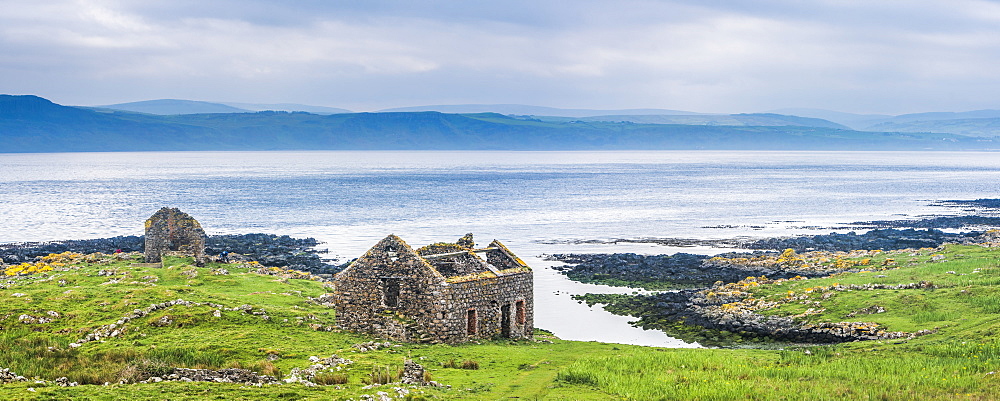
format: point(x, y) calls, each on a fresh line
point(695, 279)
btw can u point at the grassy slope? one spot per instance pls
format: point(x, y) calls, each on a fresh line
point(953, 363)
point(956, 361)
point(196, 339)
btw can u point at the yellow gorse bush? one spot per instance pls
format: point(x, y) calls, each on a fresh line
point(24, 269)
point(46, 264)
point(65, 257)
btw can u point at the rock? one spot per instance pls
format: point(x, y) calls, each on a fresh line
point(371, 346)
point(305, 376)
point(242, 376)
point(268, 249)
point(413, 373)
point(6, 376)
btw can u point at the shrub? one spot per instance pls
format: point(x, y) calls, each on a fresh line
point(142, 369)
point(266, 368)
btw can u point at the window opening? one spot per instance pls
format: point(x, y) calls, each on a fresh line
point(505, 320)
point(470, 322)
point(519, 311)
point(390, 292)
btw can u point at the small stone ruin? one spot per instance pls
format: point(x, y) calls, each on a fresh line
point(443, 292)
point(171, 230)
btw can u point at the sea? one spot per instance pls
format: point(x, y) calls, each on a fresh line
point(537, 203)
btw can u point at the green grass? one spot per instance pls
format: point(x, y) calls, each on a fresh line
point(955, 362)
point(194, 338)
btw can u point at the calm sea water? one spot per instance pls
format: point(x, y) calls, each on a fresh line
point(350, 200)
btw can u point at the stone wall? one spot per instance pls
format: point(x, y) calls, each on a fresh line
point(394, 293)
point(171, 230)
point(366, 301)
point(487, 297)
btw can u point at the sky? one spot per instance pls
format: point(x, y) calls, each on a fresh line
point(869, 56)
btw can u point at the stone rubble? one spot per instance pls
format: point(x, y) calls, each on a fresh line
point(307, 375)
point(871, 310)
point(116, 329)
point(29, 319)
point(414, 373)
point(371, 346)
point(242, 376)
point(6, 376)
point(64, 382)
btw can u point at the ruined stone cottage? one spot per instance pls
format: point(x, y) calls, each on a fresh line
point(171, 230)
point(442, 292)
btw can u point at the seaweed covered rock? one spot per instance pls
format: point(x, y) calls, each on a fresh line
point(273, 250)
point(29, 251)
point(884, 239)
point(268, 249)
point(659, 271)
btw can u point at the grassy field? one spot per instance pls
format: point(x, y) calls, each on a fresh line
point(86, 293)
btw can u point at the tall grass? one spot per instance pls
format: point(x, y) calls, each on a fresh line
point(45, 356)
point(188, 358)
point(932, 316)
point(327, 378)
point(825, 373)
point(989, 303)
point(383, 375)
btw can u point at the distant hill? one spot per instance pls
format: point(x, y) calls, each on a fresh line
point(287, 107)
point(744, 120)
point(976, 123)
point(977, 127)
point(939, 116)
point(34, 124)
point(175, 106)
point(526, 110)
point(852, 120)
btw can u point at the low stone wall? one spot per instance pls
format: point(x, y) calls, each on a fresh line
point(241, 376)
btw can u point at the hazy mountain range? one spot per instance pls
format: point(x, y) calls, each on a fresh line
point(178, 106)
point(33, 124)
point(979, 123)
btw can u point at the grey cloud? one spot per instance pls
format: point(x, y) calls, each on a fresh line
point(720, 56)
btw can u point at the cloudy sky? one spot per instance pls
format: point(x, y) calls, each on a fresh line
point(867, 56)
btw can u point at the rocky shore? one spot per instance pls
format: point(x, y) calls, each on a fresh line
point(710, 295)
point(683, 270)
point(680, 270)
point(268, 249)
point(728, 308)
point(879, 239)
